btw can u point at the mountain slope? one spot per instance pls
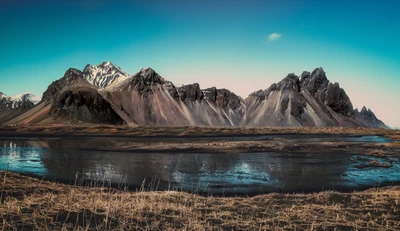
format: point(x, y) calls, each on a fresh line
point(311, 100)
point(106, 94)
point(148, 99)
point(71, 99)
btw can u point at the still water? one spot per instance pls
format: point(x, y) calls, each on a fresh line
point(76, 160)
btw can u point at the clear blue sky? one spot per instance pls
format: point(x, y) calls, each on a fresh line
point(240, 45)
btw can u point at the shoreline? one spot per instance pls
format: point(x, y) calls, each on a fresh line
point(131, 188)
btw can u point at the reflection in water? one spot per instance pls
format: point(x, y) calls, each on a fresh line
point(376, 176)
point(21, 157)
point(66, 159)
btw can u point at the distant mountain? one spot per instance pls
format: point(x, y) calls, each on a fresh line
point(106, 94)
point(13, 106)
point(368, 118)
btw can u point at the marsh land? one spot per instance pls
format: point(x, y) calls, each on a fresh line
point(197, 178)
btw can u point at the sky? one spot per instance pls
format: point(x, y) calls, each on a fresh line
point(243, 46)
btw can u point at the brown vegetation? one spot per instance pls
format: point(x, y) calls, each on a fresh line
point(29, 203)
point(87, 129)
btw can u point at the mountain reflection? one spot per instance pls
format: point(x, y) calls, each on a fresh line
point(70, 158)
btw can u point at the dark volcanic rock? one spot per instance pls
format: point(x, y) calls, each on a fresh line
point(172, 90)
point(290, 82)
point(211, 94)
point(259, 95)
point(222, 97)
point(190, 92)
point(227, 99)
point(298, 106)
point(312, 100)
point(73, 98)
point(145, 79)
point(318, 86)
point(84, 105)
point(337, 99)
point(314, 82)
point(72, 76)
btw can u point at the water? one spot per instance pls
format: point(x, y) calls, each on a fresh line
point(74, 160)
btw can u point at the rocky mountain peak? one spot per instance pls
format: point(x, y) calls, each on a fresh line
point(71, 77)
point(364, 110)
point(368, 118)
point(210, 94)
point(290, 82)
point(150, 75)
point(319, 71)
point(314, 81)
point(317, 85)
point(73, 73)
point(106, 94)
point(145, 79)
point(305, 75)
point(337, 99)
point(222, 97)
point(104, 74)
point(190, 92)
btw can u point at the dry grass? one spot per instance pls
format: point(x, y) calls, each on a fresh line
point(186, 130)
point(35, 204)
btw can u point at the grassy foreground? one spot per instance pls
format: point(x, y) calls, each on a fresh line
point(29, 203)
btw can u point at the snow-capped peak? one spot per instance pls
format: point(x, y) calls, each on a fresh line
point(104, 74)
point(14, 102)
point(27, 96)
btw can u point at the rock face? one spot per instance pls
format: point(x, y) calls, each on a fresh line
point(318, 86)
point(83, 104)
point(311, 100)
point(106, 94)
point(368, 118)
point(71, 78)
point(190, 93)
point(223, 98)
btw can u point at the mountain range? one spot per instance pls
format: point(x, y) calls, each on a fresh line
point(105, 94)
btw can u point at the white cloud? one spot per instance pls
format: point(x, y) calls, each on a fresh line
point(274, 36)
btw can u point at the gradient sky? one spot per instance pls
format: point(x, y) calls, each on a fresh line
point(240, 45)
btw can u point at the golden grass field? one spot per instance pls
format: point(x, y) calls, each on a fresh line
point(30, 203)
